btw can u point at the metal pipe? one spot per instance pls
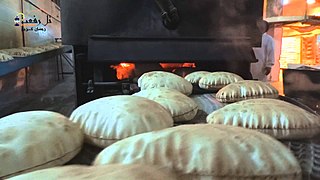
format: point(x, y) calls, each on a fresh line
point(169, 14)
point(165, 5)
point(23, 36)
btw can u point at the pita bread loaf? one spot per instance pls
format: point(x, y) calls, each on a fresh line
point(246, 89)
point(217, 80)
point(56, 45)
point(195, 77)
point(157, 79)
point(49, 47)
point(275, 117)
point(5, 57)
point(16, 52)
point(207, 152)
point(110, 172)
point(107, 120)
point(181, 107)
point(36, 140)
point(33, 50)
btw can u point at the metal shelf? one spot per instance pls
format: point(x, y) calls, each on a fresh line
point(23, 62)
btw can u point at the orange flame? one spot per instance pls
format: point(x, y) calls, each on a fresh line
point(124, 70)
point(193, 65)
point(125, 65)
point(177, 65)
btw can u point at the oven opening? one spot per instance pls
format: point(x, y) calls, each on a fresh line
point(118, 78)
point(135, 70)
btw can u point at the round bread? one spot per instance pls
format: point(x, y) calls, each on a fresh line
point(56, 45)
point(181, 107)
point(157, 79)
point(217, 80)
point(274, 117)
point(246, 89)
point(16, 52)
point(107, 120)
point(195, 77)
point(33, 50)
point(110, 172)
point(36, 140)
point(51, 46)
point(5, 57)
point(207, 152)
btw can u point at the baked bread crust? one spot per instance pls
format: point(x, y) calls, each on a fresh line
point(195, 77)
point(110, 119)
point(181, 107)
point(217, 80)
point(246, 89)
point(5, 57)
point(36, 140)
point(207, 151)
point(110, 172)
point(169, 80)
point(277, 118)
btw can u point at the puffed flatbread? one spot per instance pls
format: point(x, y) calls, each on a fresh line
point(246, 89)
point(181, 107)
point(36, 140)
point(55, 46)
point(217, 80)
point(110, 119)
point(49, 47)
point(277, 118)
point(169, 80)
point(195, 77)
point(16, 52)
point(109, 172)
point(33, 50)
point(5, 57)
point(212, 152)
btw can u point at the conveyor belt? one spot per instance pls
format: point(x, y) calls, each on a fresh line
point(307, 151)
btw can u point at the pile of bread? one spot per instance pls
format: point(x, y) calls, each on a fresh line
point(9, 54)
point(140, 141)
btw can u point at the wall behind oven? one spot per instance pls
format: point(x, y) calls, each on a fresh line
point(12, 36)
point(43, 75)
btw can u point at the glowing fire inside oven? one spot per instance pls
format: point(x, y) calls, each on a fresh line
point(126, 70)
point(177, 65)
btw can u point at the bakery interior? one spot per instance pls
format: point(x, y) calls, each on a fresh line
point(158, 89)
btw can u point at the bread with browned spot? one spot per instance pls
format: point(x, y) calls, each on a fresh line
point(195, 77)
point(5, 57)
point(181, 107)
point(155, 79)
point(36, 140)
point(246, 89)
point(217, 80)
point(277, 118)
point(110, 172)
point(206, 151)
point(110, 119)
